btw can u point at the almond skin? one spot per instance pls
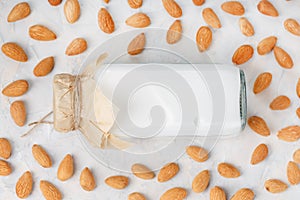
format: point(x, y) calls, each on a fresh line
point(19, 12)
point(211, 18)
point(258, 125)
point(168, 172)
point(143, 172)
point(41, 156)
point(217, 193)
point(198, 154)
point(172, 8)
point(203, 38)
point(77, 46)
point(280, 103)
point(41, 33)
point(54, 2)
point(5, 148)
point(228, 171)
point(233, 7)
point(16, 88)
point(137, 45)
point(5, 168)
point(292, 26)
point(293, 173)
point(87, 180)
point(242, 54)
point(49, 191)
point(289, 134)
point(259, 154)
point(105, 21)
point(14, 51)
point(175, 194)
point(174, 33)
point(266, 45)
point(201, 181)
point(44, 67)
point(198, 2)
point(24, 185)
point(138, 20)
point(136, 196)
point(275, 186)
point(246, 27)
point(135, 3)
point(283, 58)
point(66, 168)
point(18, 113)
point(296, 156)
point(72, 11)
point(298, 88)
point(243, 194)
point(117, 182)
point(267, 8)
point(262, 82)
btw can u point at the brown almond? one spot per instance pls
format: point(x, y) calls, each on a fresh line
point(262, 82)
point(198, 2)
point(54, 2)
point(14, 51)
point(24, 185)
point(16, 88)
point(49, 191)
point(172, 8)
point(137, 45)
point(217, 193)
point(167, 172)
point(259, 154)
point(233, 7)
point(87, 180)
point(19, 12)
point(246, 27)
point(292, 26)
point(66, 168)
point(41, 33)
point(106, 1)
point(228, 171)
point(242, 54)
point(201, 181)
point(283, 58)
point(266, 45)
point(142, 171)
point(275, 186)
point(198, 154)
point(174, 33)
point(289, 134)
point(117, 182)
point(41, 156)
point(265, 7)
point(5, 148)
point(18, 112)
point(44, 67)
point(296, 156)
point(105, 21)
point(298, 112)
point(176, 193)
point(5, 168)
point(136, 196)
point(280, 103)
point(138, 20)
point(243, 194)
point(258, 125)
point(298, 88)
point(135, 3)
point(77, 46)
point(203, 38)
point(211, 18)
point(293, 173)
point(72, 11)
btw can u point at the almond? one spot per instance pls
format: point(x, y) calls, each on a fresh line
point(117, 182)
point(136, 196)
point(242, 54)
point(266, 45)
point(106, 1)
point(72, 11)
point(14, 51)
point(292, 26)
point(105, 21)
point(280, 103)
point(203, 38)
point(137, 45)
point(135, 3)
point(258, 125)
point(275, 186)
point(172, 8)
point(217, 193)
point(211, 18)
point(246, 27)
point(5, 168)
point(44, 67)
point(50, 192)
point(233, 7)
point(198, 2)
point(5, 148)
point(298, 88)
point(168, 172)
point(228, 171)
point(298, 112)
point(198, 154)
point(243, 194)
point(262, 82)
point(143, 172)
point(66, 168)
point(176, 193)
point(259, 154)
point(265, 7)
point(293, 173)
point(24, 185)
point(16, 88)
point(54, 2)
point(283, 58)
point(296, 156)
point(18, 112)
point(201, 181)
point(289, 134)
point(174, 33)
point(77, 46)
point(19, 11)
point(87, 180)
point(138, 20)
point(41, 156)
point(41, 33)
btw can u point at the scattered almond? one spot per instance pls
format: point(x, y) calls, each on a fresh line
point(18, 112)
point(174, 194)
point(266, 45)
point(49, 191)
point(298, 88)
point(293, 173)
point(233, 7)
point(283, 58)
point(44, 67)
point(105, 21)
point(5, 148)
point(143, 172)
point(198, 154)
point(24, 185)
point(258, 125)
point(87, 180)
point(19, 11)
point(106, 1)
point(168, 172)
point(217, 193)
point(280, 103)
point(172, 8)
point(5, 168)
point(298, 112)
point(117, 182)
point(243, 194)
point(174, 33)
point(289, 134)
point(135, 3)
point(16, 88)
point(275, 186)
point(201, 181)
point(54, 2)
point(66, 168)
point(246, 27)
point(262, 82)
point(267, 8)
point(77, 46)
point(203, 38)
point(228, 171)
point(136, 196)
point(292, 26)
point(242, 54)
point(14, 51)
point(198, 2)
point(41, 33)
point(296, 156)
point(259, 154)
point(72, 11)
point(211, 18)
point(138, 20)
point(41, 156)
point(137, 45)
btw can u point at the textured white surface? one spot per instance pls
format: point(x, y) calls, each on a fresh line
point(226, 40)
